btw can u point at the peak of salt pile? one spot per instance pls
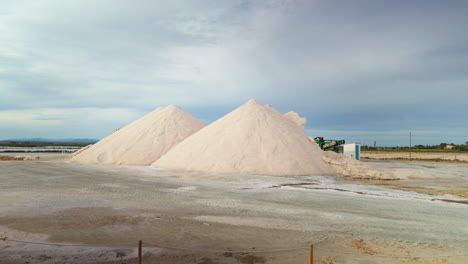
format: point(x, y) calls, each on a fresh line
point(293, 116)
point(253, 139)
point(143, 141)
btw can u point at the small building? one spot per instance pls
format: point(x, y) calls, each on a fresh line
point(352, 150)
point(449, 147)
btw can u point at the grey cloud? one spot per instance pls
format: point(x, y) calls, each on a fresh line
point(344, 64)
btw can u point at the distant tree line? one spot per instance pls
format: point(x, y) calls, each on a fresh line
point(440, 147)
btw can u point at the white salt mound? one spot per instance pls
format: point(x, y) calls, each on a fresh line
point(350, 167)
point(253, 139)
point(143, 141)
point(81, 150)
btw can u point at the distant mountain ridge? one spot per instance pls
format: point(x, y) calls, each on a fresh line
point(49, 140)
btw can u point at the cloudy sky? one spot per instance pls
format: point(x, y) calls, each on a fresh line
point(359, 70)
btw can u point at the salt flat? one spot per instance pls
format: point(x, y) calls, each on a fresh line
point(53, 200)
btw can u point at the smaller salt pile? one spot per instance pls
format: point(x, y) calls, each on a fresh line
point(143, 141)
point(254, 139)
point(350, 167)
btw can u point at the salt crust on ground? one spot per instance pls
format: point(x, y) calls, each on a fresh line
point(44, 254)
point(253, 139)
point(143, 141)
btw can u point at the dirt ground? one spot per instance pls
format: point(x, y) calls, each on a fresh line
point(427, 156)
point(100, 213)
point(428, 177)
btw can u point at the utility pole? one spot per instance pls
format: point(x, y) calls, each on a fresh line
point(410, 145)
point(139, 251)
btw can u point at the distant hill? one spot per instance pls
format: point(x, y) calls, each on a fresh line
point(78, 141)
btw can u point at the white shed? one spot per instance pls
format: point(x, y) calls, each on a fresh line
point(352, 150)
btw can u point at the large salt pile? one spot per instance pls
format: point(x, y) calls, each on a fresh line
point(254, 139)
point(143, 141)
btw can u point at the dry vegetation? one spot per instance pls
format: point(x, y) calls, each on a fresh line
point(327, 260)
point(6, 158)
point(364, 248)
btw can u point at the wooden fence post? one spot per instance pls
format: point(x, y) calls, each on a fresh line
point(139, 252)
point(311, 254)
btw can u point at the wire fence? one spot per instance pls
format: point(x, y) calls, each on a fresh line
point(161, 246)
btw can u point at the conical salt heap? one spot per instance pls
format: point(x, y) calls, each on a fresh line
point(143, 141)
point(253, 139)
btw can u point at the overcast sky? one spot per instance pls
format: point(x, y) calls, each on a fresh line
point(358, 70)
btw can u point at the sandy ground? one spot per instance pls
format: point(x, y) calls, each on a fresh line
point(433, 178)
point(429, 156)
point(104, 210)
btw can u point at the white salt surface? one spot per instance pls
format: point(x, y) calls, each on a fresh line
point(143, 141)
point(160, 203)
point(253, 139)
point(44, 254)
